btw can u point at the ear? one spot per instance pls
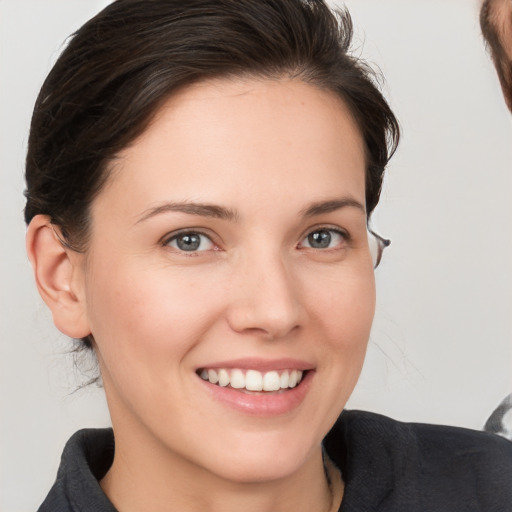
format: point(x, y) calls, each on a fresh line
point(59, 276)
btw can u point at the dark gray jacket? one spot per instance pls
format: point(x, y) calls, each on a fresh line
point(387, 466)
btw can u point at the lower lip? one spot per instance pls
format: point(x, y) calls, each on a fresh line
point(262, 404)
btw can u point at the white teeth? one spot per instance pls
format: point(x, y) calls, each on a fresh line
point(253, 380)
point(237, 379)
point(271, 381)
point(213, 377)
point(223, 378)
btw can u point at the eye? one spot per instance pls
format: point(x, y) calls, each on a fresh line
point(324, 238)
point(190, 241)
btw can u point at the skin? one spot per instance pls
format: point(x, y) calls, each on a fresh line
point(266, 151)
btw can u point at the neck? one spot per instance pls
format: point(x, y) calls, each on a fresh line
point(145, 476)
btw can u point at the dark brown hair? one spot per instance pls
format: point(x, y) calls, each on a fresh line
point(120, 66)
point(493, 22)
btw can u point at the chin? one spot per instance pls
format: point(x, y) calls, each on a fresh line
point(269, 469)
point(263, 460)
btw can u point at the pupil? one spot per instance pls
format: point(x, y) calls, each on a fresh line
point(188, 242)
point(320, 239)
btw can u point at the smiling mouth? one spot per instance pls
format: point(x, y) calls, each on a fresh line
point(252, 380)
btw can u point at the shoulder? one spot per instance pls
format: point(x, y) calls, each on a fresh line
point(433, 441)
point(86, 458)
point(414, 463)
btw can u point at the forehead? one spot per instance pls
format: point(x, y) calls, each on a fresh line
point(216, 140)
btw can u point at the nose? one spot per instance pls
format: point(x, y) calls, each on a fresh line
point(265, 299)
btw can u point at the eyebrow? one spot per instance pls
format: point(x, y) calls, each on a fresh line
point(191, 208)
point(223, 213)
point(332, 205)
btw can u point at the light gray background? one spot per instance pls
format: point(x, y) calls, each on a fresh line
point(441, 348)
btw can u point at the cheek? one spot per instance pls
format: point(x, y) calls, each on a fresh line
point(146, 315)
point(342, 316)
point(345, 308)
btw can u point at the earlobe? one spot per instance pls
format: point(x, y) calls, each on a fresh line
point(58, 276)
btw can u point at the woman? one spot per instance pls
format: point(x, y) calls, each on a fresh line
point(200, 176)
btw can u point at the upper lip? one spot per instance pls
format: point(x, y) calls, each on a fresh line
point(261, 364)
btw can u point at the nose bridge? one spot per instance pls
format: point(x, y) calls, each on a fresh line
point(266, 296)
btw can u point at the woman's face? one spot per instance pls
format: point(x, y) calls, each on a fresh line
point(230, 242)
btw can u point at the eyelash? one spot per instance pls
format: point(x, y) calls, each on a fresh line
point(194, 232)
point(174, 236)
point(330, 229)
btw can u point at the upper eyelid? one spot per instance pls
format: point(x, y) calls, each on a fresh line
point(212, 236)
point(336, 229)
point(326, 227)
point(174, 234)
